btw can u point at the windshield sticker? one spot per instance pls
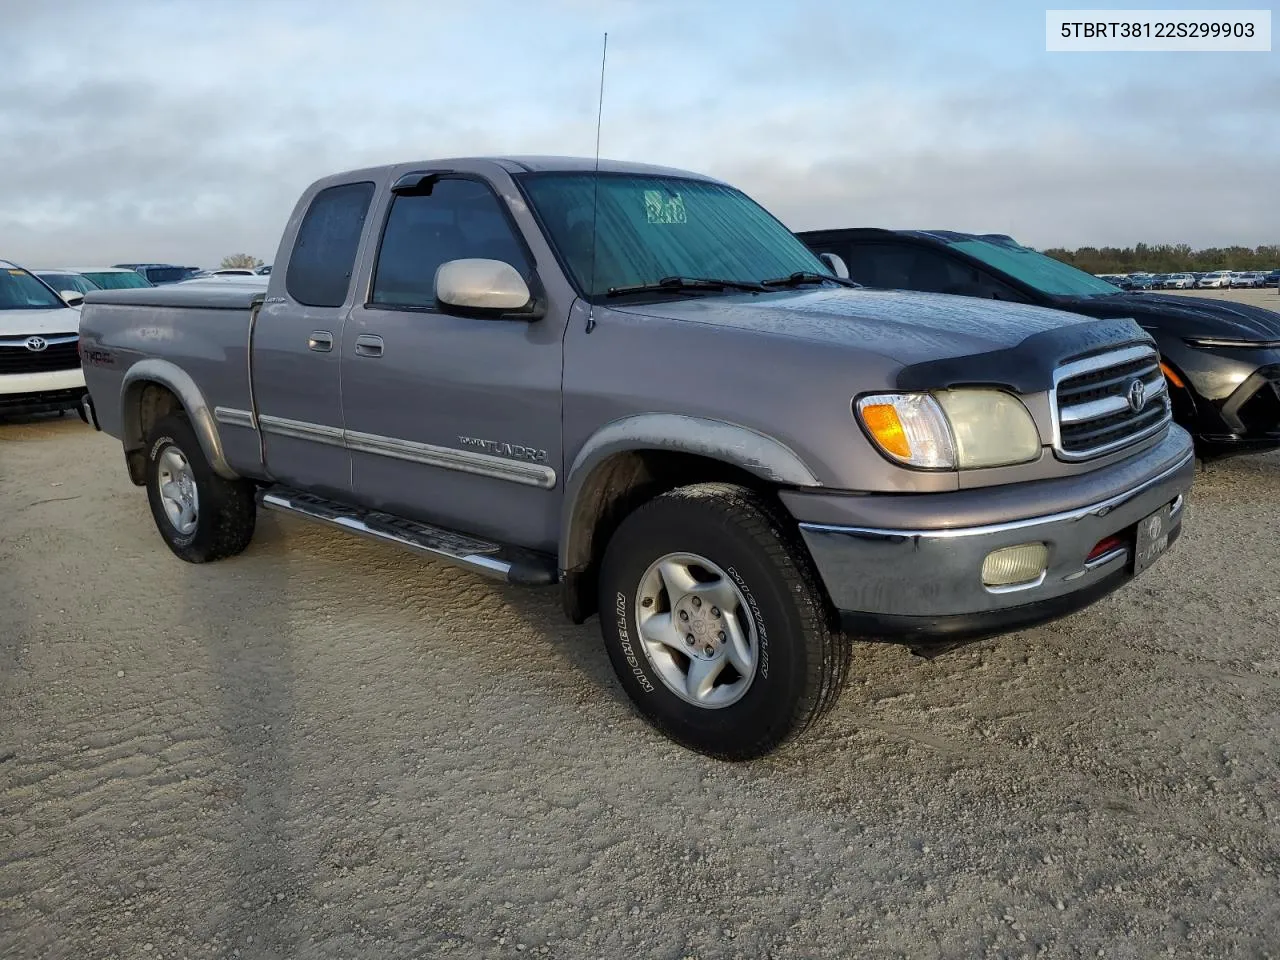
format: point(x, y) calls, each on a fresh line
point(662, 208)
point(17, 273)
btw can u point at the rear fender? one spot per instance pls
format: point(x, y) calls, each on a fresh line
point(178, 382)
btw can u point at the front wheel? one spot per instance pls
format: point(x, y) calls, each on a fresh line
point(715, 624)
point(200, 515)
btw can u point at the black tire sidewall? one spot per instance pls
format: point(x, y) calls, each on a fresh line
point(176, 432)
point(767, 712)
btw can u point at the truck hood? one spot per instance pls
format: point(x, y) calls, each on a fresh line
point(1183, 316)
point(24, 323)
point(910, 328)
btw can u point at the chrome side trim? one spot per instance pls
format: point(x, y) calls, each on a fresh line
point(1097, 509)
point(429, 454)
point(464, 461)
point(301, 430)
point(234, 417)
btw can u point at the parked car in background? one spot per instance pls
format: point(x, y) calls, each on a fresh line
point(1217, 280)
point(1142, 281)
point(546, 403)
point(1180, 281)
point(234, 272)
point(1271, 279)
point(265, 270)
point(1246, 279)
point(65, 280)
point(110, 278)
point(1221, 358)
point(160, 273)
point(39, 332)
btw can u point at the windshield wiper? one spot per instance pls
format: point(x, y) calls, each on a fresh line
point(678, 284)
point(803, 276)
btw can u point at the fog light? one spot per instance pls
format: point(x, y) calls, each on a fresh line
point(1010, 565)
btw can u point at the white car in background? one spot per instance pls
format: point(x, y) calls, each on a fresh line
point(1246, 279)
point(1218, 279)
point(39, 345)
point(1179, 281)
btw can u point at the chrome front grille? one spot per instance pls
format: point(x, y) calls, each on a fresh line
point(1108, 401)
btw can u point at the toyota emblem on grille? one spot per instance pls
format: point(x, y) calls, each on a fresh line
point(1137, 396)
point(36, 344)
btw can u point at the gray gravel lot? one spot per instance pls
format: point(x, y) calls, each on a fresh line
point(327, 748)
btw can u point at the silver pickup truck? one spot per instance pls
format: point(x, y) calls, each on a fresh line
point(636, 384)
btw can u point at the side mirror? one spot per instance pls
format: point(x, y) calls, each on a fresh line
point(485, 288)
point(72, 298)
point(836, 264)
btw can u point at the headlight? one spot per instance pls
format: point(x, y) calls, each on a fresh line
point(952, 428)
point(1231, 343)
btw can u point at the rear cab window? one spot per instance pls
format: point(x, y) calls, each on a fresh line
point(324, 251)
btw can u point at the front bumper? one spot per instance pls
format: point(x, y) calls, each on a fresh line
point(41, 392)
point(925, 581)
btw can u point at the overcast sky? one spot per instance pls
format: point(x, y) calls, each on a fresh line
point(184, 131)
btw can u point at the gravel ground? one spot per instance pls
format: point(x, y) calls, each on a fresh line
point(328, 748)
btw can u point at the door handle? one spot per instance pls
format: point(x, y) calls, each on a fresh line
point(321, 341)
point(368, 346)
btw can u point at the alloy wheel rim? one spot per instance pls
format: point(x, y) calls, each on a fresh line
point(696, 630)
point(178, 494)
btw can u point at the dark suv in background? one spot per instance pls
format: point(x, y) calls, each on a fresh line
point(161, 273)
point(1221, 358)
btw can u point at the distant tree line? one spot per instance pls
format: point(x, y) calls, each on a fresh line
point(1168, 258)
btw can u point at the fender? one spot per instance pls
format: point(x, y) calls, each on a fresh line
point(732, 443)
point(173, 377)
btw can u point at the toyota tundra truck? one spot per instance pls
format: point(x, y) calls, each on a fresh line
point(634, 384)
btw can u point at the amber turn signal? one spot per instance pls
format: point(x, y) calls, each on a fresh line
point(1170, 375)
point(885, 427)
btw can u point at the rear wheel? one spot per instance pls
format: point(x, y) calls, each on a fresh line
point(715, 624)
point(200, 515)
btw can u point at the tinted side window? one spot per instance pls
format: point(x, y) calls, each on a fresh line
point(324, 253)
point(457, 219)
point(907, 266)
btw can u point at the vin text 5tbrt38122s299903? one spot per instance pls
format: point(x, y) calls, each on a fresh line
point(637, 385)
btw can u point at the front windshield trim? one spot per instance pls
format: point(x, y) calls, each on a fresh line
point(812, 263)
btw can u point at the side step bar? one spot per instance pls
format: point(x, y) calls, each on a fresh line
point(512, 564)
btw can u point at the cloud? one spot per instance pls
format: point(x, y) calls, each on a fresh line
point(185, 131)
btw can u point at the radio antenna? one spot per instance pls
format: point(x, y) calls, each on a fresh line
point(595, 188)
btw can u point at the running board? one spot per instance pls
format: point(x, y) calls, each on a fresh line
point(511, 564)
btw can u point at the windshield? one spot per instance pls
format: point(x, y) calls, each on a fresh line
point(124, 280)
point(651, 227)
point(1036, 270)
point(19, 290)
point(66, 281)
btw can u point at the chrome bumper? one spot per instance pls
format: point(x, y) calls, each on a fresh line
point(937, 573)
